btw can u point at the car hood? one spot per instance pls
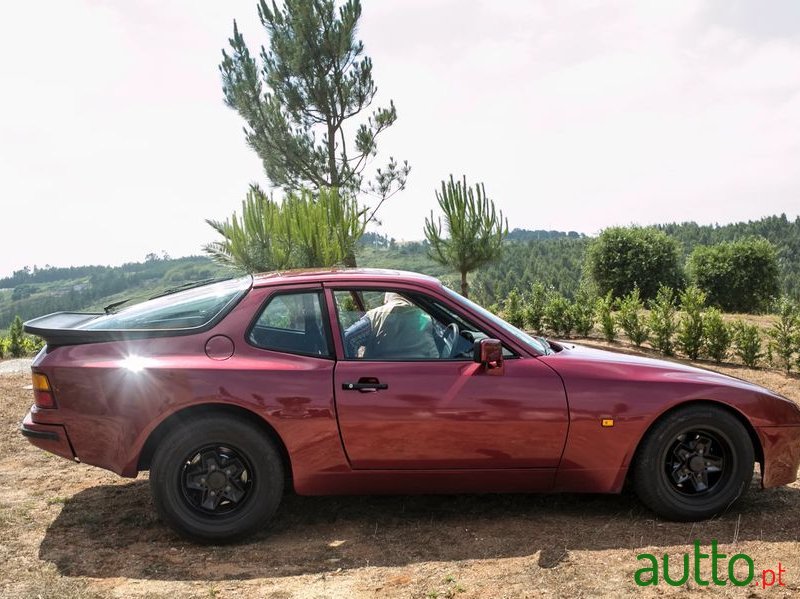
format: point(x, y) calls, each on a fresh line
point(661, 368)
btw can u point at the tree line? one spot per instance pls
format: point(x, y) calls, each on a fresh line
point(38, 291)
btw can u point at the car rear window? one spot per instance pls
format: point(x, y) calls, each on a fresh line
point(188, 309)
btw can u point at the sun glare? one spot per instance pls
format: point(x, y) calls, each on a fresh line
point(134, 363)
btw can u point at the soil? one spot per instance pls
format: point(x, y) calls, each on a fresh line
point(74, 531)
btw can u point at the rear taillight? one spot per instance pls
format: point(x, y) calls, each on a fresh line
point(42, 393)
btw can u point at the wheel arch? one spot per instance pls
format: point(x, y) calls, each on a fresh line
point(184, 415)
point(758, 450)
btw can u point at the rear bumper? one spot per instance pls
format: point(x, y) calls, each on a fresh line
point(50, 437)
point(781, 445)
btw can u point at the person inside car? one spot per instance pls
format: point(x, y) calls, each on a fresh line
point(398, 329)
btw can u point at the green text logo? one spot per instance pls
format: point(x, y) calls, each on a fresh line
point(654, 572)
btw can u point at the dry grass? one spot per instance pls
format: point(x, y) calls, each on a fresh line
point(73, 531)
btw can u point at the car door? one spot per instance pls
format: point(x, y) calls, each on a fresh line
point(421, 412)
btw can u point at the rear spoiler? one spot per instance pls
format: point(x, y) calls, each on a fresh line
point(59, 328)
point(63, 328)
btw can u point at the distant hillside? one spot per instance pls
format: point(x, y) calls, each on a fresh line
point(33, 292)
point(541, 235)
point(556, 258)
point(552, 257)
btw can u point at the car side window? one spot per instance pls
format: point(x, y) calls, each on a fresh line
point(292, 323)
point(387, 325)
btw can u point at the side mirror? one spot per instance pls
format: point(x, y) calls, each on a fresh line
point(489, 353)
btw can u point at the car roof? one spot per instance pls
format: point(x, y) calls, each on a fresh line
point(330, 275)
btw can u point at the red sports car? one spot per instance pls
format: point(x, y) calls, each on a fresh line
point(370, 381)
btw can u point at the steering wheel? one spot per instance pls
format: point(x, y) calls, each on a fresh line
point(449, 340)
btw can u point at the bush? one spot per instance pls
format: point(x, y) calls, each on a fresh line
point(604, 308)
point(747, 343)
point(16, 341)
point(718, 335)
point(622, 258)
point(631, 319)
point(583, 311)
point(558, 314)
point(513, 309)
point(32, 344)
point(785, 334)
point(662, 320)
point(737, 276)
point(690, 327)
point(534, 307)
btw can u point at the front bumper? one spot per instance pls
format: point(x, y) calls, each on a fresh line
point(50, 437)
point(781, 445)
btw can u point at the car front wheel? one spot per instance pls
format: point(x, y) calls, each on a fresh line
point(216, 479)
point(693, 463)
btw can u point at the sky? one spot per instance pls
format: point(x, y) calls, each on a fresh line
point(576, 115)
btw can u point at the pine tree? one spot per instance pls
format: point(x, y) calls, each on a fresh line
point(513, 310)
point(631, 319)
point(16, 340)
point(475, 229)
point(604, 308)
point(308, 83)
point(662, 320)
point(691, 333)
point(718, 335)
point(785, 334)
point(533, 309)
point(305, 230)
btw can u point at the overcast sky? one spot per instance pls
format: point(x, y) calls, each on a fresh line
point(115, 141)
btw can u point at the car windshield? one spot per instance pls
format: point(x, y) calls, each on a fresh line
point(538, 345)
point(181, 310)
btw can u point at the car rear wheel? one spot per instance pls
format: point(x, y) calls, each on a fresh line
point(693, 464)
point(216, 479)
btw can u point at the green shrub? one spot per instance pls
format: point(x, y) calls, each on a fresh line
point(16, 340)
point(785, 334)
point(604, 309)
point(662, 320)
point(32, 344)
point(737, 276)
point(513, 309)
point(690, 328)
point(718, 335)
point(747, 343)
point(631, 319)
point(622, 258)
point(534, 307)
point(558, 315)
point(2, 347)
point(583, 311)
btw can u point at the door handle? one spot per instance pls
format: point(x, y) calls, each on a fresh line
point(364, 386)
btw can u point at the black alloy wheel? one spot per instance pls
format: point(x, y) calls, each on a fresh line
point(217, 478)
point(693, 463)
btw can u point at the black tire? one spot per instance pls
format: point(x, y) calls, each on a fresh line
point(216, 479)
point(689, 449)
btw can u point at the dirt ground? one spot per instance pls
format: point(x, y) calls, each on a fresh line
point(69, 530)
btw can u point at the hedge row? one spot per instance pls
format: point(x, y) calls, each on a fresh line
point(675, 322)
